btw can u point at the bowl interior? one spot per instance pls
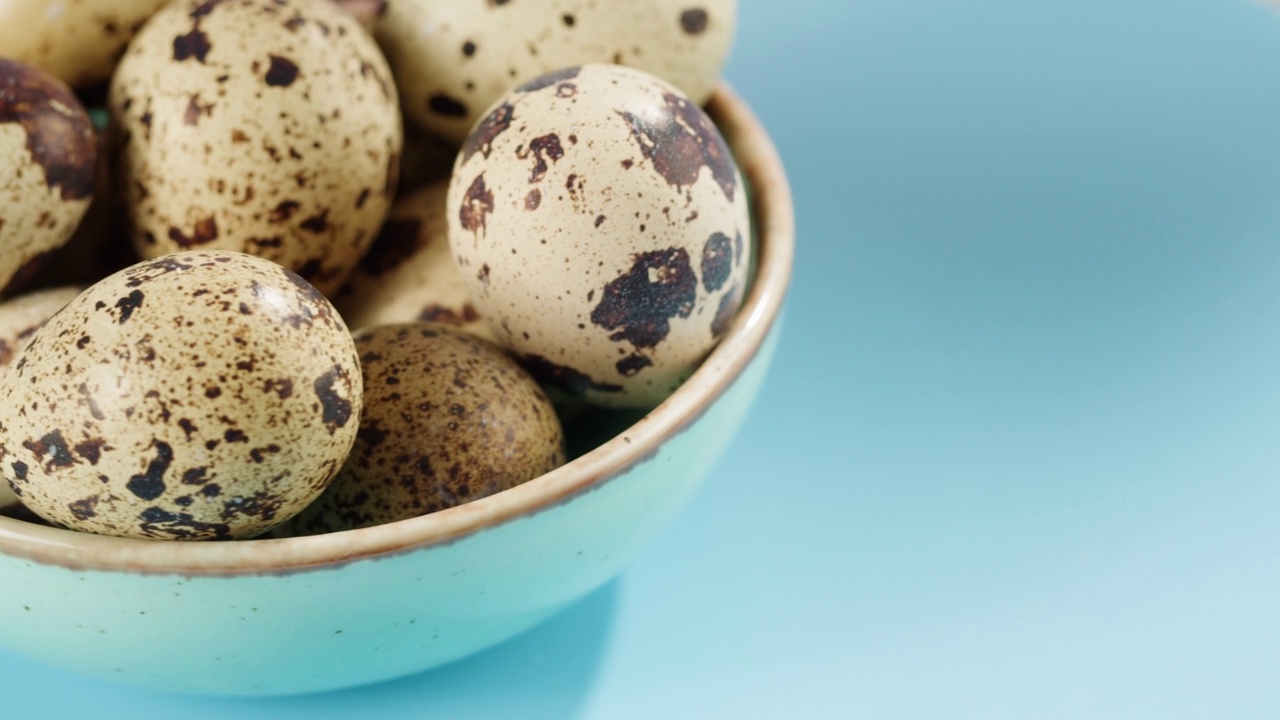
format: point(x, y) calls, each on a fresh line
point(773, 221)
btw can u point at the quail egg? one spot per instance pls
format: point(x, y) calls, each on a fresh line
point(448, 418)
point(270, 127)
point(202, 395)
point(453, 59)
point(601, 225)
point(77, 41)
point(48, 152)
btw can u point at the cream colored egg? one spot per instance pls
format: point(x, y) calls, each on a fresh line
point(202, 395)
point(77, 41)
point(19, 320)
point(409, 273)
point(448, 418)
point(602, 226)
point(22, 316)
point(270, 127)
point(48, 153)
point(453, 59)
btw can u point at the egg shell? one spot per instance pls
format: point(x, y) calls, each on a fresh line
point(448, 418)
point(22, 316)
point(19, 320)
point(409, 273)
point(207, 394)
point(48, 154)
point(602, 227)
point(454, 59)
point(77, 41)
point(263, 126)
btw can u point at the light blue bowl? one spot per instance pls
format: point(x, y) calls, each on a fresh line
point(318, 613)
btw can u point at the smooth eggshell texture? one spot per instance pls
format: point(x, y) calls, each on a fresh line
point(48, 153)
point(409, 273)
point(22, 316)
point(453, 59)
point(602, 226)
point(77, 41)
point(268, 127)
point(448, 418)
point(19, 320)
point(200, 395)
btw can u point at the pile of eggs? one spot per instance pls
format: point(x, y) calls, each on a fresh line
point(313, 265)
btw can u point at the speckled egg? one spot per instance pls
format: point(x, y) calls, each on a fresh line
point(270, 127)
point(202, 395)
point(19, 320)
point(448, 418)
point(48, 152)
point(22, 316)
point(409, 274)
point(453, 59)
point(602, 227)
point(77, 41)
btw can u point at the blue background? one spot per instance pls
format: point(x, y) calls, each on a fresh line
point(1018, 455)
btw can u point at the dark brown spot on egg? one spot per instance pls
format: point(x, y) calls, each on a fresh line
point(717, 261)
point(284, 211)
point(546, 80)
point(235, 435)
point(568, 379)
point(19, 470)
point(196, 109)
point(633, 364)
point(694, 21)
point(316, 223)
point(127, 304)
point(442, 104)
point(449, 316)
point(542, 147)
point(150, 485)
point(195, 476)
point(481, 138)
point(282, 73)
point(84, 508)
point(59, 133)
point(91, 450)
point(205, 231)
point(476, 205)
point(680, 142)
point(533, 199)
point(194, 44)
point(54, 447)
point(567, 90)
point(158, 522)
point(638, 306)
point(725, 313)
point(335, 409)
point(468, 48)
point(398, 241)
point(282, 387)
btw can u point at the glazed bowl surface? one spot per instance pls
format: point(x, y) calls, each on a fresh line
point(307, 614)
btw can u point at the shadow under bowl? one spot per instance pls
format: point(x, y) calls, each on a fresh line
point(284, 616)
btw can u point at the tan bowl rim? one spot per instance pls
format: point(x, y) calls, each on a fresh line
point(775, 224)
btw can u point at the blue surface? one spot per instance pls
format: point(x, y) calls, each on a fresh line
point(1018, 455)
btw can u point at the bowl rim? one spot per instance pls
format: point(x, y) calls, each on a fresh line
point(774, 218)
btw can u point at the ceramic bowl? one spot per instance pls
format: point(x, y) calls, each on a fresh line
point(282, 616)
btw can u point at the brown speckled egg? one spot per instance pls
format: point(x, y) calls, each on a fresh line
point(48, 152)
point(22, 316)
point(454, 59)
point(409, 273)
point(77, 41)
point(271, 127)
point(202, 395)
point(448, 418)
point(602, 226)
point(19, 320)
